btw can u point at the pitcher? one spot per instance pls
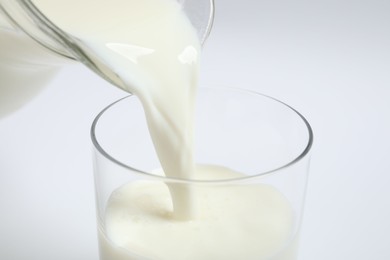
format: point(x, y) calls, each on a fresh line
point(33, 49)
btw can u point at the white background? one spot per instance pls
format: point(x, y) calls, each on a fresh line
point(330, 59)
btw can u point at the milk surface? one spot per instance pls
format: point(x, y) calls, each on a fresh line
point(251, 222)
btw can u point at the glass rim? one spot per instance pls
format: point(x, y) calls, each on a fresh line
point(292, 162)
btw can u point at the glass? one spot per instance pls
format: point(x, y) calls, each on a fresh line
point(263, 141)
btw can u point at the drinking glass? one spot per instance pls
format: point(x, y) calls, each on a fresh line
point(263, 142)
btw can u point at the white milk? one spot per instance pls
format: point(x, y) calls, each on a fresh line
point(152, 50)
point(25, 68)
point(251, 222)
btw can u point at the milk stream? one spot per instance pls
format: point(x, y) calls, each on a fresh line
point(152, 51)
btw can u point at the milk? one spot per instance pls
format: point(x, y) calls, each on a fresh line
point(25, 68)
point(152, 50)
point(149, 48)
point(236, 221)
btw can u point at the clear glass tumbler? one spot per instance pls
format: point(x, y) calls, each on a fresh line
point(253, 155)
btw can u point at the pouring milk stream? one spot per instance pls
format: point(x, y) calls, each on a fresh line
point(152, 47)
point(159, 66)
